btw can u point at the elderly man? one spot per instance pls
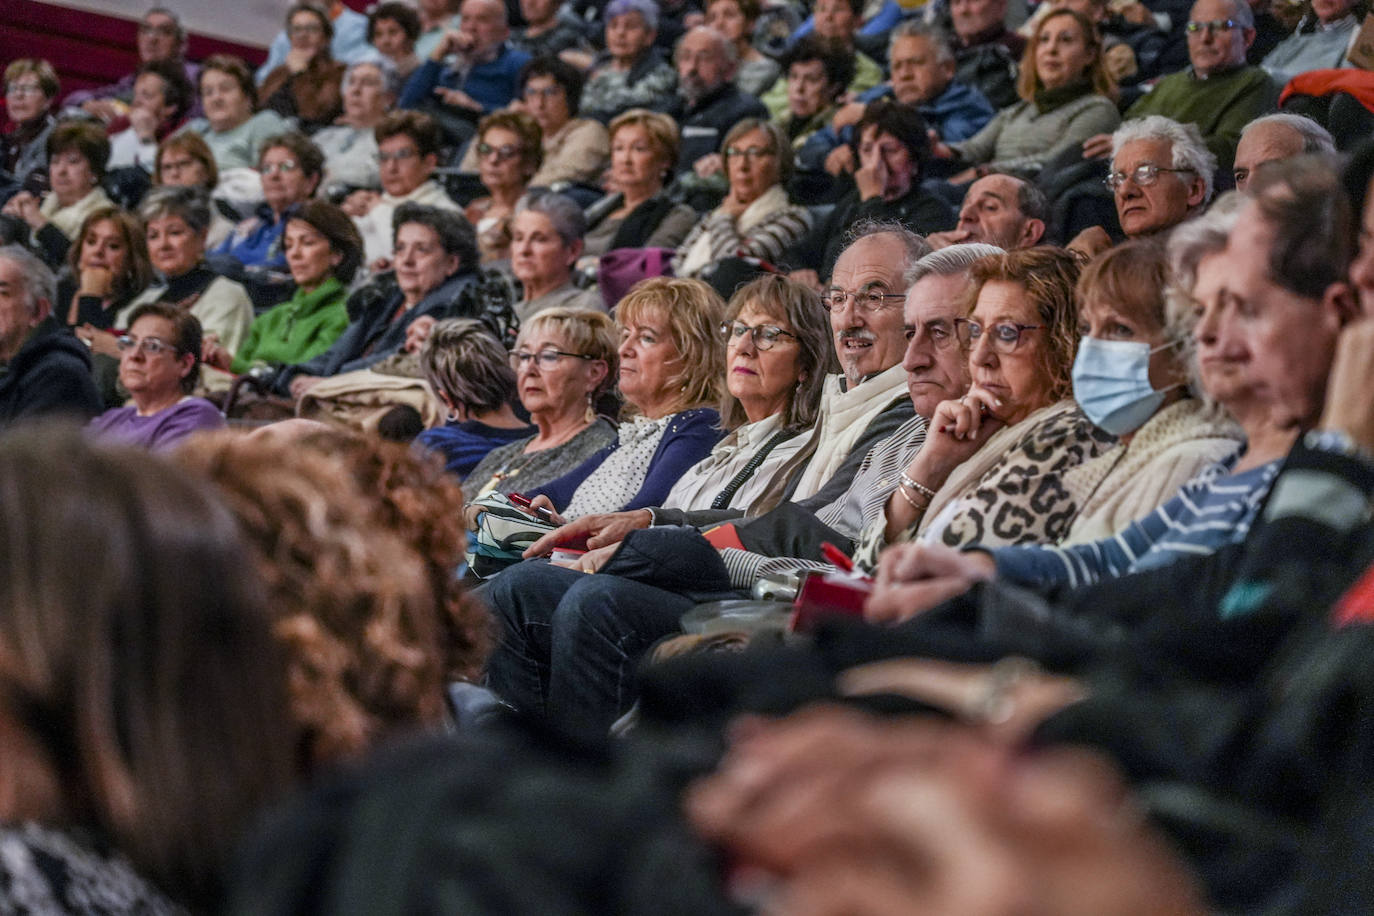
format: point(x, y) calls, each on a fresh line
point(708, 102)
point(1000, 210)
point(986, 52)
point(1161, 174)
point(160, 38)
point(837, 21)
point(408, 146)
point(1275, 138)
point(579, 672)
point(348, 44)
point(487, 71)
point(1219, 93)
point(46, 371)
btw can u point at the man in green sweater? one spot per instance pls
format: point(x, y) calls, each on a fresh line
point(1219, 92)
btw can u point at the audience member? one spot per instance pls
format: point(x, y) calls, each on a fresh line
point(548, 31)
point(1152, 196)
point(408, 145)
point(546, 241)
point(1000, 210)
point(1274, 138)
point(47, 371)
point(185, 160)
point(306, 85)
point(509, 151)
point(708, 100)
point(637, 213)
point(393, 28)
point(232, 126)
point(563, 360)
point(437, 17)
point(30, 87)
point(484, 77)
point(837, 22)
point(162, 98)
point(105, 269)
point(755, 219)
point(575, 149)
point(1066, 94)
point(159, 365)
point(1320, 41)
point(161, 38)
point(291, 167)
point(631, 72)
point(985, 50)
point(1219, 93)
point(77, 153)
point(817, 70)
point(349, 41)
point(370, 88)
point(736, 20)
point(323, 251)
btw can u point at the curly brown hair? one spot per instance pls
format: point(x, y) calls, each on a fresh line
point(357, 559)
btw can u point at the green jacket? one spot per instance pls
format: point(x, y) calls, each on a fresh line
point(301, 327)
point(1220, 105)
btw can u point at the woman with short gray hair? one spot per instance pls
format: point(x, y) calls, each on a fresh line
point(469, 372)
point(546, 241)
point(370, 88)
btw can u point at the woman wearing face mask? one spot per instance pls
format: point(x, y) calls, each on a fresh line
point(1131, 378)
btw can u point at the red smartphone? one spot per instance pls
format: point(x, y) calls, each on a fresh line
point(541, 512)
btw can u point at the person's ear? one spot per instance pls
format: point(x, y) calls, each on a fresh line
point(1197, 192)
point(1032, 232)
point(1340, 298)
point(574, 252)
point(188, 363)
point(1248, 35)
point(41, 310)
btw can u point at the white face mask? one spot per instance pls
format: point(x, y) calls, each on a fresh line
point(1111, 383)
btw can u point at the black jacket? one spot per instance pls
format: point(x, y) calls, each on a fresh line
point(50, 375)
point(706, 123)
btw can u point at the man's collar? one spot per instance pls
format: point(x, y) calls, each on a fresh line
point(1215, 74)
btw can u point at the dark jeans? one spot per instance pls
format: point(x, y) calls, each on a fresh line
point(570, 643)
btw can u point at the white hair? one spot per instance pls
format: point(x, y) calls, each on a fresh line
point(914, 28)
point(37, 277)
point(1315, 138)
point(1187, 148)
point(946, 262)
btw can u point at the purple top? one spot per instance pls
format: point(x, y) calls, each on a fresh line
point(159, 431)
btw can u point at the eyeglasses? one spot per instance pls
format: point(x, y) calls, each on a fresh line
point(749, 153)
point(151, 346)
point(23, 89)
point(507, 151)
point(548, 92)
point(1216, 25)
point(311, 28)
point(765, 336)
point(868, 299)
point(1143, 175)
point(548, 358)
point(1006, 335)
point(285, 167)
point(401, 155)
point(176, 165)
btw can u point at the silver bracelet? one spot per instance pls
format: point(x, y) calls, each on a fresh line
point(916, 507)
point(921, 488)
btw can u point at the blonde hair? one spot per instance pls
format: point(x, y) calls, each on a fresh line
point(1028, 82)
point(584, 331)
point(693, 312)
point(662, 130)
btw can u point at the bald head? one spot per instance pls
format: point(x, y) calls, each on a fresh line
point(1003, 210)
point(1274, 139)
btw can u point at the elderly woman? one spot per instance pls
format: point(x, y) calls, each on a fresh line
point(233, 128)
point(30, 87)
point(435, 261)
point(158, 366)
point(563, 360)
point(1132, 379)
point(637, 214)
point(175, 221)
point(77, 153)
point(509, 152)
point(323, 252)
point(670, 371)
point(735, 19)
point(105, 270)
point(755, 219)
point(184, 160)
point(575, 149)
point(631, 72)
point(306, 86)
point(350, 149)
point(1066, 94)
point(290, 166)
point(992, 468)
point(393, 28)
point(546, 241)
point(778, 352)
point(122, 791)
point(469, 371)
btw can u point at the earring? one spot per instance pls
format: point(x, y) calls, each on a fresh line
point(590, 415)
point(451, 416)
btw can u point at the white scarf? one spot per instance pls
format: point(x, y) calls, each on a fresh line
point(767, 203)
point(68, 220)
point(844, 416)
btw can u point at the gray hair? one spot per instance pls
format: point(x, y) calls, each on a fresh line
point(1315, 138)
point(463, 360)
point(391, 77)
point(192, 205)
point(647, 9)
point(567, 217)
point(1241, 14)
point(915, 28)
point(915, 245)
point(176, 23)
point(724, 45)
point(39, 283)
point(946, 262)
point(1188, 244)
point(1189, 151)
point(1032, 202)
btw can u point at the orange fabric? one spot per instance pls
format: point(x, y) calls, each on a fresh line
point(1358, 84)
